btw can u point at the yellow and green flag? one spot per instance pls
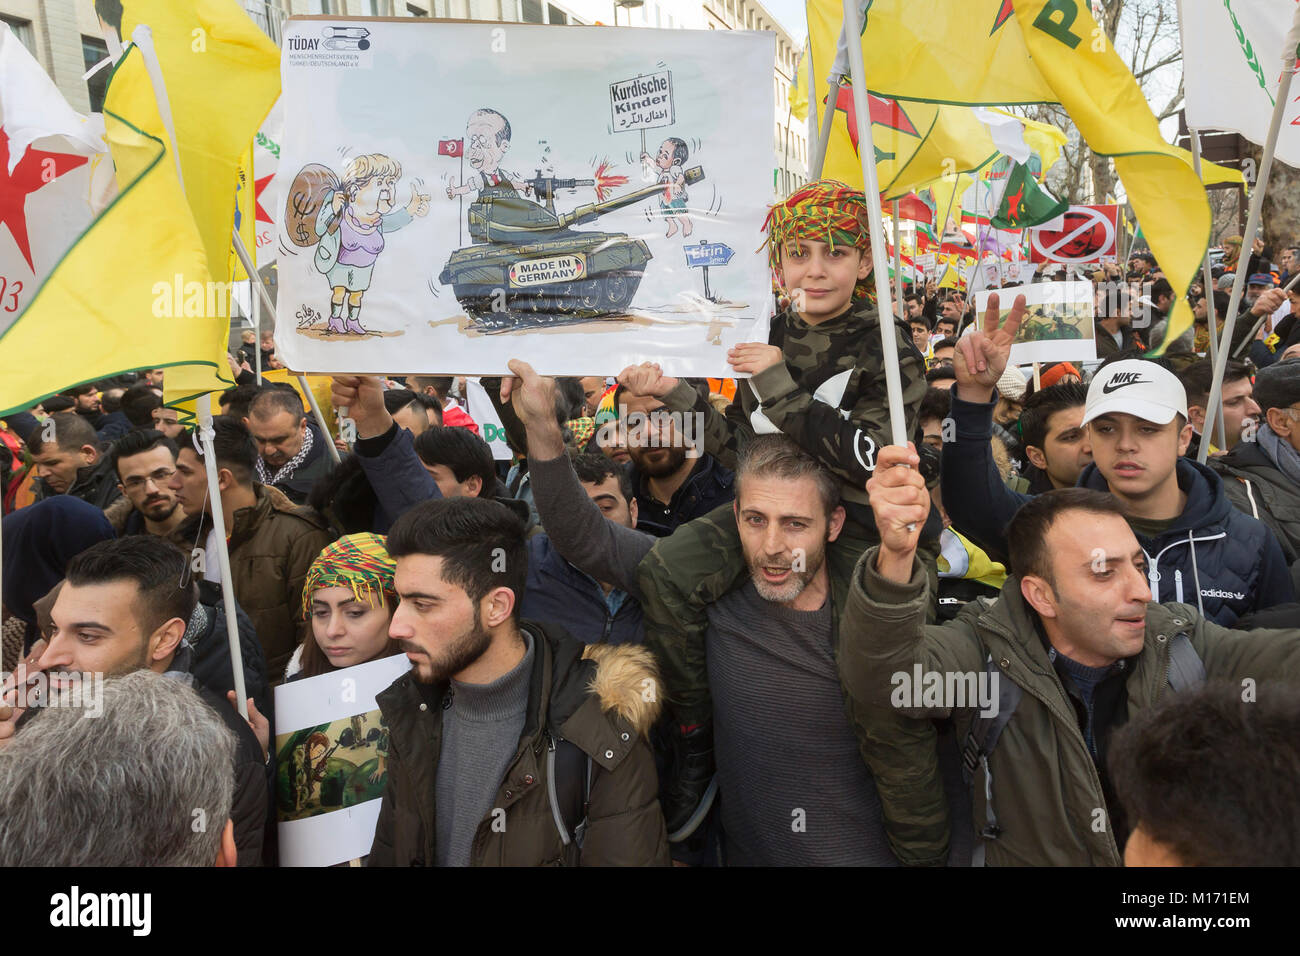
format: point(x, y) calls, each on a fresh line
point(994, 52)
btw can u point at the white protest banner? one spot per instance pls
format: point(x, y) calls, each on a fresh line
point(925, 263)
point(507, 215)
point(480, 408)
point(1057, 326)
point(331, 748)
point(1234, 44)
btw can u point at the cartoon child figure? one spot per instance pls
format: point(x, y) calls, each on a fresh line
point(668, 167)
point(352, 226)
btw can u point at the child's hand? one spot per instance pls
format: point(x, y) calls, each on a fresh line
point(754, 357)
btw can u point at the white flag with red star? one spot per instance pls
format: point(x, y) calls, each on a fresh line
point(55, 175)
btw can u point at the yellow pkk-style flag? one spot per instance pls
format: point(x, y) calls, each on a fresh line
point(222, 75)
point(110, 305)
point(245, 214)
point(799, 87)
point(1042, 51)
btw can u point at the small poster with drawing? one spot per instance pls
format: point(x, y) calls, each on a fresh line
point(1057, 326)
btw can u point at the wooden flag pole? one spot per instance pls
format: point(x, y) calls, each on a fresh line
point(247, 260)
point(852, 29)
point(143, 38)
point(1219, 429)
point(1280, 104)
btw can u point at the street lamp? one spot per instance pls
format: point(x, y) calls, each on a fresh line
point(629, 5)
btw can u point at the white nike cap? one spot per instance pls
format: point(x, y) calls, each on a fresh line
point(1136, 387)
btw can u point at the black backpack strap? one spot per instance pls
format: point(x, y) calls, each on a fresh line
point(568, 786)
point(980, 741)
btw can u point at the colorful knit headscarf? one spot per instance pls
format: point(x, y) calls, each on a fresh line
point(357, 561)
point(827, 211)
point(581, 429)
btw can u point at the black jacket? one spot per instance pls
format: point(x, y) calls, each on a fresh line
point(1253, 483)
point(318, 464)
point(559, 592)
point(709, 486)
point(210, 637)
point(95, 484)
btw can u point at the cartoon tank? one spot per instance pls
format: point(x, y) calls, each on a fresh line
point(528, 267)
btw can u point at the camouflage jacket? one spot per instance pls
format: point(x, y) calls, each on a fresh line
point(828, 395)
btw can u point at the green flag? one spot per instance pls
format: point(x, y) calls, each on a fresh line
point(1025, 203)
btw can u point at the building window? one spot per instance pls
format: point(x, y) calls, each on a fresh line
point(413, 11)
point(555, 14)
point(22, 29)
point(531, 11)
point(93, 50)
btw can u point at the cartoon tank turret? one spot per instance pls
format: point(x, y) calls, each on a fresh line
point(527, 261)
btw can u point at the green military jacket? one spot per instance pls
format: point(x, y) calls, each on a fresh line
point(1045, 786)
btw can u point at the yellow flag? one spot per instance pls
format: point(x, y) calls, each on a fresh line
point(133, 291)
point(799, 87)
point(992, 52)
point(223, 76)
point(245, 214)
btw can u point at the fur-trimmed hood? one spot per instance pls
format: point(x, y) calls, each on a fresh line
point(626, 681)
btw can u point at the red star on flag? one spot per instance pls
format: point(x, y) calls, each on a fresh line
point(37, 168)
point(258, 186)
point(1005, 13)
point(884, 112)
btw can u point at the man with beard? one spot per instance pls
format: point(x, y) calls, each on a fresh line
point(673, 483)
point(501, 720)
point(123, 607)
point(67, 459)
point(145, 461)
point(771, 639)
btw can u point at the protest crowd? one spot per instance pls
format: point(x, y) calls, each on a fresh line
point(682, 628)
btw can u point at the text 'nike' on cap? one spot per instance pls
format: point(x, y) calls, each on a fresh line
point(1138, 388)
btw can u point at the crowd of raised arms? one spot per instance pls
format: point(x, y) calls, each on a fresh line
point(697, 622)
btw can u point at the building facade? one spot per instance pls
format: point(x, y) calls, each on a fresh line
point(65, 38)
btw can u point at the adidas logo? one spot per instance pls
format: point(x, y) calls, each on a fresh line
point(1216, 593)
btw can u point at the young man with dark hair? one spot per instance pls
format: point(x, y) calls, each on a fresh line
point(1114, 324)
point(414, 411)
point(940, 377)
point(1239, 409)
point(272, 541)
point(235, 401)
point(85, 402)
point(920, 334)
point(138, 403)
point(67, 459)
point(292, 449)
point(1072, 649)
point(941, 353)
point(145, 461)
point(1199, 548)
point(478, 724)
point(1056, 444)
point(438, 388)
point(770, 637)
point(1262, 477)
point(125, 606)
point(459, 462)
point(1209, 779)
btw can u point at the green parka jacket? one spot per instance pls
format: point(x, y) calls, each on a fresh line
point(1046, 791)
point(601, 698)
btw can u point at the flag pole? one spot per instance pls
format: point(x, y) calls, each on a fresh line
point(813, 138)
point(257, 326)
point(1252, 223)
point(898, 260)
point(852, 30)
point(247, 260)
point(142, 36)
point(819, 154)
point(1207, 279)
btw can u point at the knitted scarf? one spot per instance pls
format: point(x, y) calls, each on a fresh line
point(289, 467)
point(827, 211)
point(357, 561)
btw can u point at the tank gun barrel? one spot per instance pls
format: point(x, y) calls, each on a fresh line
point(590, 211)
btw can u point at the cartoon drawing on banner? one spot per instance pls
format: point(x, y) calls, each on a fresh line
point(668, 167)
point(332, 765)
point(591, 200)
point(345, 220)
